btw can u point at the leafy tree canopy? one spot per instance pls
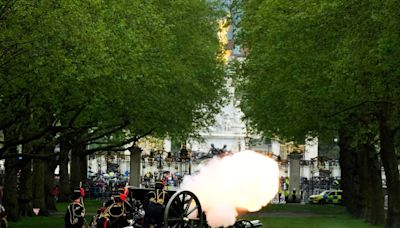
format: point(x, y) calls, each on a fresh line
point(108, 70)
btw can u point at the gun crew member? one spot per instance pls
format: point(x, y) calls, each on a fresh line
point(118, 211)
point(154, 206)
point(75, 215)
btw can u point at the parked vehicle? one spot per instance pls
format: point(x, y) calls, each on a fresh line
point(327, 196)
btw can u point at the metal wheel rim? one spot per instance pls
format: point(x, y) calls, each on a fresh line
point(180, 207)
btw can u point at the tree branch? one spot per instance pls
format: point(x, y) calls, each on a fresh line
point(105, 133)
point(117, 147)
point(12, 143)
point(357, 106)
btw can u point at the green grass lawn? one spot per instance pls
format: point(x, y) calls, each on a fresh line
point(313, 222)
point(91, 206)
point(56, 220)
point(272, 216)
point(310, 216)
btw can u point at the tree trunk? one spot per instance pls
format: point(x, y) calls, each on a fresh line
point(345, 166)
point(373, 210)
point(10, 186)
point(350, 165)
point(83, 167)
point(364, 193)
point(390, 164)
point(78, 171)
point(376, 213)
point(65, 187)
point(10, 182)
point(39, 196)
point(25, 193)
point(75, 169)
point(356, 184)
point(49, 182)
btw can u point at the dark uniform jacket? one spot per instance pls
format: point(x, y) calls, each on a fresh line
point(154, 206)
point(74, 217)
point(116, 214)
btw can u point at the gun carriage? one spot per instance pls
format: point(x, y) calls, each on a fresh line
point(183, 209)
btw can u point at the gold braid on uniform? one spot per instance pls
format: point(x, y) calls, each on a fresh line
point(105, 214)
point(159, 196)
point(5, 221)
point(73, 219)
point(116, 216)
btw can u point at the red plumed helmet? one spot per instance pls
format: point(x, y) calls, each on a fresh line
point(82, 192)
point(123, 197)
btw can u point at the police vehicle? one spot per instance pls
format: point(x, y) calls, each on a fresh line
point(327, 196)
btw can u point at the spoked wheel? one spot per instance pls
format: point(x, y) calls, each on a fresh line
point(243, 224)
point(183, 210)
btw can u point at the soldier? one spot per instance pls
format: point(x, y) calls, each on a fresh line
point(74, 217)
point(213, 150)
point(154, 205)
point(117, 211)
point(3, 216)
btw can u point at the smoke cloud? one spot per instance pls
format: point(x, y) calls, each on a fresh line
point(243, 181)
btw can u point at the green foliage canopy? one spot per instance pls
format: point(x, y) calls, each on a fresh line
point(311, 64)
point(102, 69)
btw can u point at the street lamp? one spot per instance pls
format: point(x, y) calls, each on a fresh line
point(169, 159)
point(184, 158)
point(143, 162)
point(150, 159)
point(247, 142)
point(157, 156)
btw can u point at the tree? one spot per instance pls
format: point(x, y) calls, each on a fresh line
point(313, 65)
point(77, 73)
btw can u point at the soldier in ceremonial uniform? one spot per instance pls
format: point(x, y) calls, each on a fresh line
point(74, 217)
point(154, 205)
point(3, 216)
point(117, 211)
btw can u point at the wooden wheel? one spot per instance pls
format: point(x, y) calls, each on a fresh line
point(183, 210)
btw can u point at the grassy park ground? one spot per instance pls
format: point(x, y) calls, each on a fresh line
point(272, 216)
point(302, 216)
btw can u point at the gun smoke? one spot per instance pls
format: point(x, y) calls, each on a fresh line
point(226, 185)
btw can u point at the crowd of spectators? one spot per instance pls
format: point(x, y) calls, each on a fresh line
point(168, 178)
point(101, 185)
